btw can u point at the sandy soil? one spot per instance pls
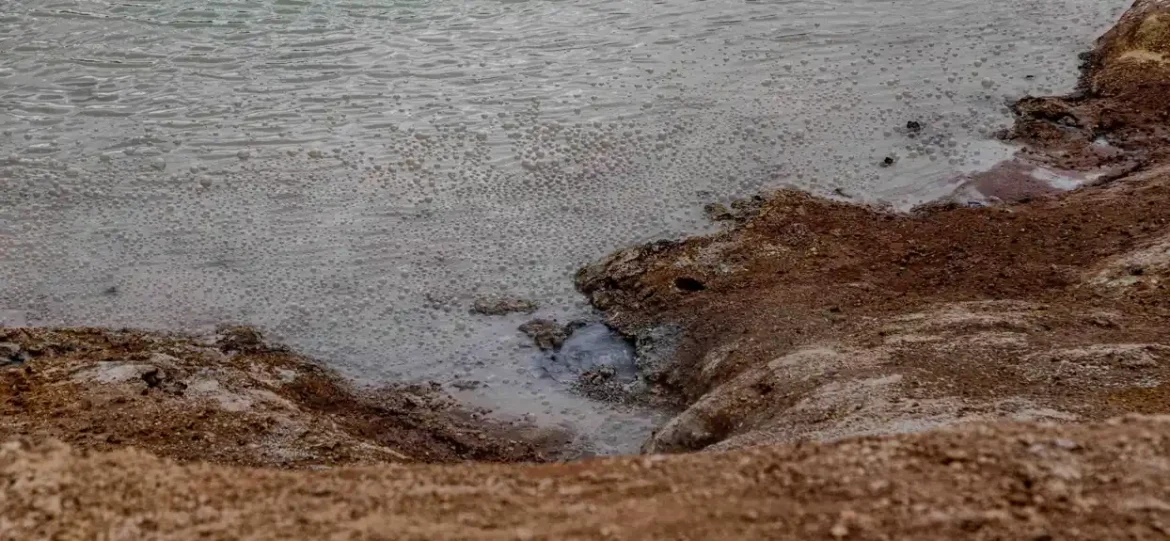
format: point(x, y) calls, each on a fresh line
point(231, 399)
point(1101, 481)
point(849, 373)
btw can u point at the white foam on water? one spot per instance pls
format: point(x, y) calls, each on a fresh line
point(350, 176)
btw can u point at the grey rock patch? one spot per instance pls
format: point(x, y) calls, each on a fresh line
point(228, 400)
point(654, 349)
point(110, 372)
point(500, 306)
point(467, 385)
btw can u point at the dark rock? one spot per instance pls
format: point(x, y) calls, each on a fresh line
point(654, 349)
point(548, 334)
point(718, 212)
point(913, 126)
point(240, 338)
point(499, 306)
point(688, 284)
point(467, 385)
point(745, 209)
point(602, 374)
point(741, 210)
point(8, 349)
point(154, 377)
point(12, 355)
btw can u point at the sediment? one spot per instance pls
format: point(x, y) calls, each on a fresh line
point(233, 399)
point(1097, 481)
point(814, 320)
point(987, 372)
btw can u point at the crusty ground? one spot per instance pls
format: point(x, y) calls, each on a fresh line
point(852, 374)
point(949, 309)
point(1090, 482)
point(230, 399)
point(815, 319)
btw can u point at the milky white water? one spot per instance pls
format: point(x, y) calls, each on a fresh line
point(350, 175)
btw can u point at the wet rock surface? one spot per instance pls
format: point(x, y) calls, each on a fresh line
point(592, 350)
point(549, 335)
point(739, 210)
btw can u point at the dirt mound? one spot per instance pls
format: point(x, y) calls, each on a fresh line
point(947, 309)
point(229, 399)
point(814, 319)
point(1100, 481)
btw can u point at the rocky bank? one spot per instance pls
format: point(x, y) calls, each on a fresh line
point(990, 372)
point(1080, 481)
point(231, 398)
point(811, 319)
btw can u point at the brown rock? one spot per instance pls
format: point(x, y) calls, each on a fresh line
point(548, 334)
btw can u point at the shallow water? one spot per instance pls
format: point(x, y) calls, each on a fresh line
point(349, 176)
